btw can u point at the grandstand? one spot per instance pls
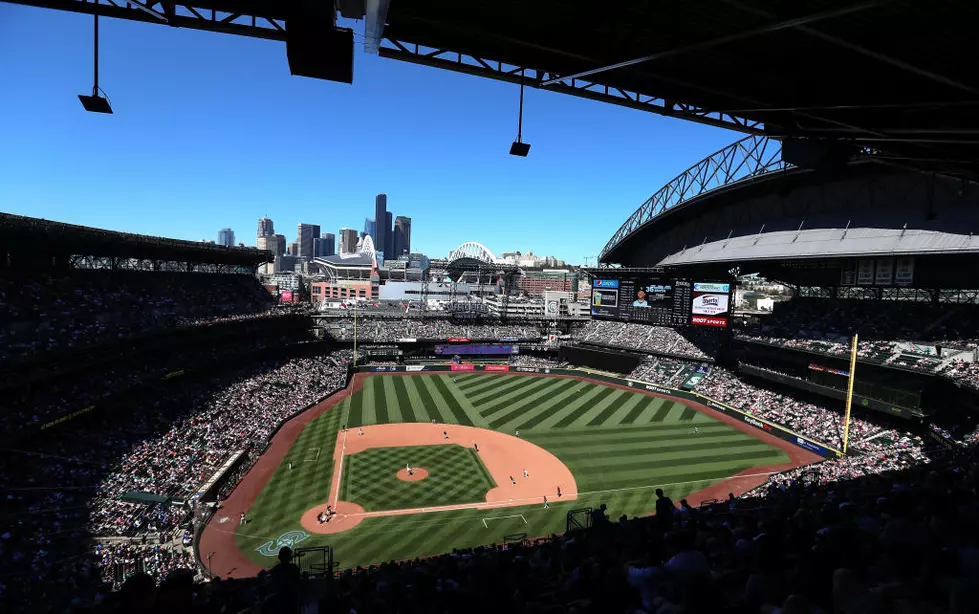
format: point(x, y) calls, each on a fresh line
point(149, 383)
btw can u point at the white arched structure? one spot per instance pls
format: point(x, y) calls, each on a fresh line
point(364, 250)
point(471, 249)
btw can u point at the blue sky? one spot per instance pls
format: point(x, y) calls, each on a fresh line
point(210, 130)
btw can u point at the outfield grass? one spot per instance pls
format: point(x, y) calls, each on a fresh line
point(455, 475)
point(620, 445)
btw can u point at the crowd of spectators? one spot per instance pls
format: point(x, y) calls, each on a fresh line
point(667, 372)
point(28, 407)
point(45, 313)
point(537, 362)
point(897, 333)
point(386, 330)
point(902, 541)
point(64, 492)
point(693, 343)
point(804, 417)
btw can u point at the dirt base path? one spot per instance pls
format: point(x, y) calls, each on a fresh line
point(506, 458)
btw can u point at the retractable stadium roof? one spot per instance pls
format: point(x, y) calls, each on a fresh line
point(892, 78)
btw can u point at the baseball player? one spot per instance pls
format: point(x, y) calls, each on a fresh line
point(475, 447)
point(360, 431)
point(545, 502)
point(242, 521)
point(526, 473)
point(408, 469)
point(512, 482)
point(517, 434)
point(445, 434)
point(559, 491)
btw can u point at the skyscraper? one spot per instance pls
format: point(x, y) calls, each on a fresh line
point(329, 244)
point(380, 219)
point(402, 236)
point(370, 228)
point(280, 245)
point(323, 246)
point(293, 249)
point(265, 227)
point(388, 235)
point(348, 240)
point(226, 237)
point(306, 234)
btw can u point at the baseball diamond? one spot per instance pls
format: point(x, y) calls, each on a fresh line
point(619, 445)
point(455, 475)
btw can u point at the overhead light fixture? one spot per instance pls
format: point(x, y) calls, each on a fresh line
point(96, 103)
point(519, 148)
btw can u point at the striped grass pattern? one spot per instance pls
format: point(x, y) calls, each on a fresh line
point(455, 475)
point(620, 445)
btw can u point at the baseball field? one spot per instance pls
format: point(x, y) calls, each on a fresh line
point(499, 444)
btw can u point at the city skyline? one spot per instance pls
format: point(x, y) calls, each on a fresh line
point(443, 161)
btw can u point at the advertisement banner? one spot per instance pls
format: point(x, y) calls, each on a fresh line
point(412, 368)
point(458, 339)
point(709, 321)
point(710, 304)
point(463, 367)
point(526, 369)
point(285, 296)
point(497, 367)
point(408, 340)
point(701, 286)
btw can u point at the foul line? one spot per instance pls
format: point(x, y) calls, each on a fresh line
point(520, 516)
point(343, 448)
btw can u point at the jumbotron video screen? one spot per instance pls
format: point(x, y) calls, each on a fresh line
point(662, 301)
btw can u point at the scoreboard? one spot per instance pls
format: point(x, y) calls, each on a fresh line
point(661, 300)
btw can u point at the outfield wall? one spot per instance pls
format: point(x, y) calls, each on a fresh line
point(779, 431)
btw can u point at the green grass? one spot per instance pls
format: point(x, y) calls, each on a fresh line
point(619, 444)
point(455, 475)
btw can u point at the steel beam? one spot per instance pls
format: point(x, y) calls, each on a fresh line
point(729, 38)
point(533, 77)
point(178, 15)
point(748, 158)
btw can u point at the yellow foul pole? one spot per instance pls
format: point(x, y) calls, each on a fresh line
point(849, 393)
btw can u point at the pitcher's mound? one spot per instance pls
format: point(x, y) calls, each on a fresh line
point(417, 474)
point(348, 515)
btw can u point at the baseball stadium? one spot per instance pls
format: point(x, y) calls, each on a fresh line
point(763, 395)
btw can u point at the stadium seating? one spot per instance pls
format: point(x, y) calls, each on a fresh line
point(62, 492)
point(694, 343)
point(47, 313)
point(898, 542)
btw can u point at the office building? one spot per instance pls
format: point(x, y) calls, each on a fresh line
point(327, 245)
point(535, 283)
point(305, 236)
point(348, 241)
point(226, 237)
point(293, 249)
point(280, 245)
point(323, 247)
point(402, 236)
point(388, 235)
point(370, 228)
point(265, 227)
point(380, 219)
